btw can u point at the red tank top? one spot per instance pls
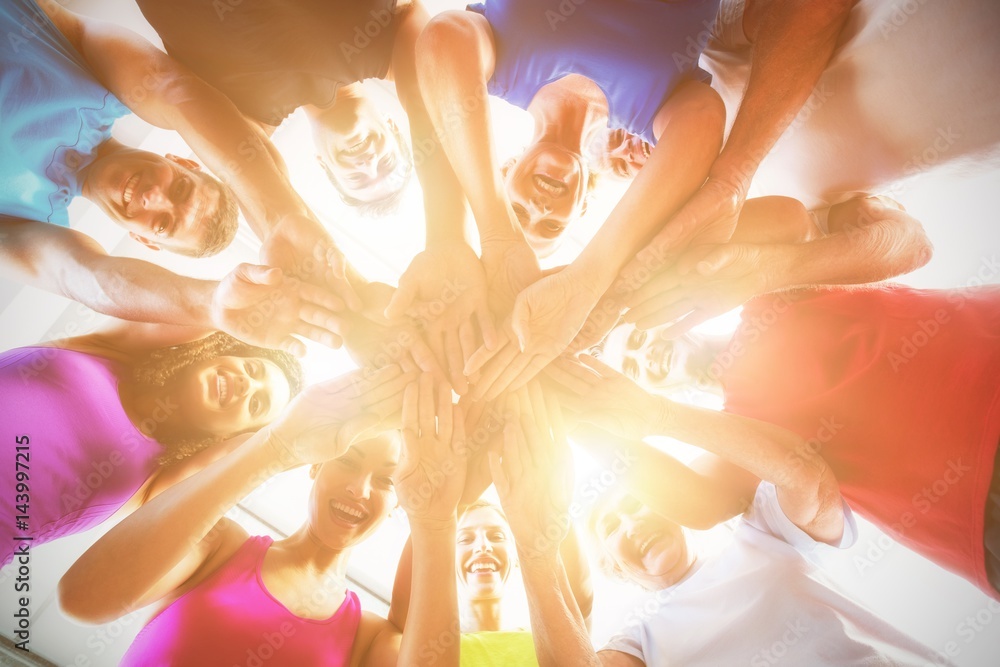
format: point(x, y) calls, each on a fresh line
point(231, 619)
point(898, 389)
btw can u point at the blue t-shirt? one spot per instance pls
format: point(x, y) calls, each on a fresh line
point(53, 115)
point(636, 51)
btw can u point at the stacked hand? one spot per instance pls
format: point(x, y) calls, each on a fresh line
point(601, 396)
point(444, 290)
point(262, 306)
point(301, 247)
point(545, 319)
point(431, 473)
point(323, 421)
point(706, 282)
point(533, 473)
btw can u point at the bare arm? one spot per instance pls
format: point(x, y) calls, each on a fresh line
point(793, 41)
point(71, 264)
point(254, 304)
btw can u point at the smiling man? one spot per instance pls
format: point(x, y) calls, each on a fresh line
point(65, 81)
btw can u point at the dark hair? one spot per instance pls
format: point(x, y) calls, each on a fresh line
point(162, 364)
point(220, 227)
point(390, 203)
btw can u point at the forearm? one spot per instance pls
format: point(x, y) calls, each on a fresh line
point(131, 289)
point(693, 120)
point(134, 556)
point(579, 587)
point(659, 480)
point(867, 249)
point(434, 593)
point(237, 151)
point(768, 451)
point(557, 627)
point(793, 41)
point(444, 201)
point(454, 60)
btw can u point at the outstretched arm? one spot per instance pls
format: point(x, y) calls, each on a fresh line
point(807, 489)
point(164, 93)
point(253, 303)
point(868, 241)
point(793, 41)
point(157, 549)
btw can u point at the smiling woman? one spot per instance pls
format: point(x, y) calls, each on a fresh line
point(133, 432)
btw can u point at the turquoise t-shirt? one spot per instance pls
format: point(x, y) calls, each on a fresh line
point(53, 115)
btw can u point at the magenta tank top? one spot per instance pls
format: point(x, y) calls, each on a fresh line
point(231, 619)
point(82, 458)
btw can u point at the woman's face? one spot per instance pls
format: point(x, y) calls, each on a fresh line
point(353, 493)
point(648, 548)
point(227, 396)
point(648, 358)
point(547, 187)
point(482, 552)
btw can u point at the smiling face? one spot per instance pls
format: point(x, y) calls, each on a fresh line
point(644, 546)
point(482, 551)
point(649, 359)
point(226, 396)
point(547, 187)
point(353, 493)
point(164, 202)
point(624, 154)
point(362, 155)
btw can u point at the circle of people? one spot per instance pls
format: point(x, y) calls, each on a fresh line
point(193, 399)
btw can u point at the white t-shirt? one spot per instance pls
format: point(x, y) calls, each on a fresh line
point(762, 602)
point(911, 87)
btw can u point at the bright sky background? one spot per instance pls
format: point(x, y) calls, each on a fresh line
point(958, 212)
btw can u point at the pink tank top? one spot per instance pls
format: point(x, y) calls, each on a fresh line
point(898, 389)
point(82, 458)
point(231, 619)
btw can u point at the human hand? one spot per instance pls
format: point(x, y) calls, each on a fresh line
point(545, 319)
point(261, 306)
point(601, 396)
point(430, 476)
point(706, 282)
point(444, 290)
point(302, 248)
point(510, 266)
point(484, 431)
point(323, 421)
point(533, 473)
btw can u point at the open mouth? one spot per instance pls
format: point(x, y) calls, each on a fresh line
point(648, 543)
point(128, 190)
point(549, 186)
point(484, 566)
point(347, 514)
point(224, 389)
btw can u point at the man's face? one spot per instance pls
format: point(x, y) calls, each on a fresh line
point(646, 547)
point(362, 156)
point(163, 202)
point(648, 358)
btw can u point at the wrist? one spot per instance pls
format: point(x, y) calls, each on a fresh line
point(779, 265)
point(434, 527)
point(663, 415)
point(278, 449)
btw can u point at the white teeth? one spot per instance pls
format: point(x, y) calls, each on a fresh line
point(548, 188)
point(223, 389)
point(481, 566)
point(129, 189)
point(357, 514)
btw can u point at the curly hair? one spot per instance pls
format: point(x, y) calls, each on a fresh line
point(162, 364)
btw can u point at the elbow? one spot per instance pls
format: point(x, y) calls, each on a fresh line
point(77, 600)
point(444, 36)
